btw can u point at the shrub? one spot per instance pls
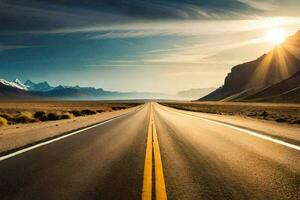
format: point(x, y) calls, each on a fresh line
point(33, 120)
point(118, 107)
point(281, 119)
point(52, 117)
point(264, 114)
point(66, 116)
point(18, 118)
point(100, 111)
point(3, 121)
point(40, 115)
point(6, 116)
point(76, 113)
point(297, 121)
point(88, 112)
point(21, 118)
point(251, 114)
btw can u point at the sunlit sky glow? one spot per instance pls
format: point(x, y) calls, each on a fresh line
point(156, 46)
point(276, 36)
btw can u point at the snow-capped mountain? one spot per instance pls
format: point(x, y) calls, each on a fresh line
point(28, 85)
point(20, 84)
point(15, 83)
point(38, 87)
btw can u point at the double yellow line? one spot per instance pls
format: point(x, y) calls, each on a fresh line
point(152, 149)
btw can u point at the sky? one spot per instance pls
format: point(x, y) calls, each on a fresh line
point(134, 45)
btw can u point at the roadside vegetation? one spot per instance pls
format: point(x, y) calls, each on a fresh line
point(282, 113)
point(3, 121)
point(11, 114)
point(40, 116)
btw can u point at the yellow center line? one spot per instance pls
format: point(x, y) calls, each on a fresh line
point(147, 182)
point(153, 147)
point(160, 186)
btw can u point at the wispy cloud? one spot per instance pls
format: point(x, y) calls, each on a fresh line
point(208, 45)
point(8, 47)
point(192, 28)
point(77, 16)
point(259, 4)
point(128, 34)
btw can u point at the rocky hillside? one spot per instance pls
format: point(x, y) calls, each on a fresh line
point(286, 90)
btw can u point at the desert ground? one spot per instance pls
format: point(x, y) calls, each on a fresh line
point(278, 112)
point(16, 112)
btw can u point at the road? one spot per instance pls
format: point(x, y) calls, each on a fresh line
point(154, 153)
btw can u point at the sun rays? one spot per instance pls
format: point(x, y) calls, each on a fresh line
point(275, 65)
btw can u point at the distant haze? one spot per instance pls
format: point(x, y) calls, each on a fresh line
point(193, 94)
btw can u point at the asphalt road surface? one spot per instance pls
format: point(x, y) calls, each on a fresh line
point(154, 153)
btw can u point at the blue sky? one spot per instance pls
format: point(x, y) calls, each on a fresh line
point(158, 46)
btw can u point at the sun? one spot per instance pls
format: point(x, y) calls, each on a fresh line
point(276, 36)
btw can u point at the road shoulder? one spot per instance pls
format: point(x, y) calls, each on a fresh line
point(22, 135)
point(286, 132)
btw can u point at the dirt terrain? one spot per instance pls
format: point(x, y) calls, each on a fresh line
point(19, 106)
point(283, 113)
point(17, 112)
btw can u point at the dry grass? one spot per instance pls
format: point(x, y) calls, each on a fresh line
point(3, 121)
point(22, 117)
point(287, 113)
point(50, 106)
point(34, 111)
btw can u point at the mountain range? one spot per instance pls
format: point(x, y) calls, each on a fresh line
point(39, 87)
point(16, 89)
point(272, 77)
